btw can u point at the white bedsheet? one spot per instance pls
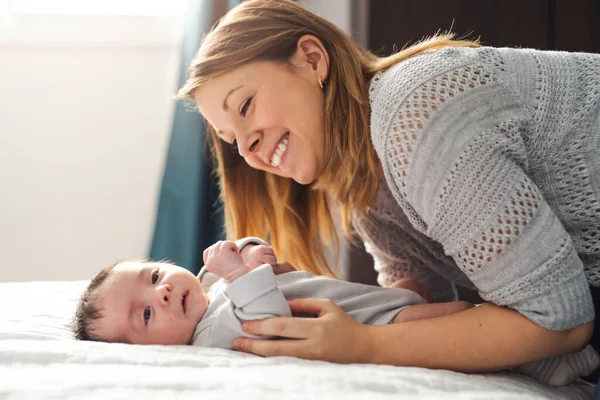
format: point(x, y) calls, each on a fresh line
point(40, 360)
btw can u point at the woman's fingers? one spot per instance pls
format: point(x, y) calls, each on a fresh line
point(292, 328)
point(312, 306)
point(274, 348)
point(333, 336)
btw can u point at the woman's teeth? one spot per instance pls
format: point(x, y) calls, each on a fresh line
point(281, 148)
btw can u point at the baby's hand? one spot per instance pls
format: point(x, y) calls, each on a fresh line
point(256, 255)
point(222, 259)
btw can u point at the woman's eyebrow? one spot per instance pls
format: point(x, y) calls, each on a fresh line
point(225, 107)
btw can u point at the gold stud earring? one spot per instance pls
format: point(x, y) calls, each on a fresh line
point(320, 83)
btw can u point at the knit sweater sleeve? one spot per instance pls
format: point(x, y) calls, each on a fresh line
point(451, 141)
point(399, 251)
point(391, 269)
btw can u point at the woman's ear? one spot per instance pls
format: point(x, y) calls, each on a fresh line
point(311, 53)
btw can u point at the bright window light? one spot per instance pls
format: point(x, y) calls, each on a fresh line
point(98, 7)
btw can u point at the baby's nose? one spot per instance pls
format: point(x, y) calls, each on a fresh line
point(164, 294)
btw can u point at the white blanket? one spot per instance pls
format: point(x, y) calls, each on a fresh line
point(40, 360)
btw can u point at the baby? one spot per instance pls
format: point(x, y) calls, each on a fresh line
point(142, 302)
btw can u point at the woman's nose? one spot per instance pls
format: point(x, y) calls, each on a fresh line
point(250, 145)
point(163, 294)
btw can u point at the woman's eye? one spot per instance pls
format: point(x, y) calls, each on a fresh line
point(146, 315)
point(245, 107)
point(234, 147)
point(154, 277)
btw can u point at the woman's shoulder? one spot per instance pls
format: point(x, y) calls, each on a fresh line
point(424, 80)
point(398, 84)
point(406, 75)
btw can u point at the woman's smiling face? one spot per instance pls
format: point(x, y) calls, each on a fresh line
point(273, 113)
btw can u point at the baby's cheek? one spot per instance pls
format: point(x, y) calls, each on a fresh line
point(178, 336)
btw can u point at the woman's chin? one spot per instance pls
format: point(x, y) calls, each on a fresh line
point(304, 180)
point(301, 177)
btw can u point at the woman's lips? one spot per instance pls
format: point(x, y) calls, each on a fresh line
point(279, 151)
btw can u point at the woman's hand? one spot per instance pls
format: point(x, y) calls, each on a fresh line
point(332, 336)
point(481, 339)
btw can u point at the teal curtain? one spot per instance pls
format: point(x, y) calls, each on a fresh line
point(189, 218)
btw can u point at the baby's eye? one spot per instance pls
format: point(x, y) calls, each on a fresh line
point(154, 277)
point(146, 315)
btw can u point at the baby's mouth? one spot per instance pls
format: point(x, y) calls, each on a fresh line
point(184, 304)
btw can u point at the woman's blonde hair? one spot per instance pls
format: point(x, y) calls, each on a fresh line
point(299, 220)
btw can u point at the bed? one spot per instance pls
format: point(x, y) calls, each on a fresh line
point(39, 359)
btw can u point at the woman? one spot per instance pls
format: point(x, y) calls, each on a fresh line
point(457, 164)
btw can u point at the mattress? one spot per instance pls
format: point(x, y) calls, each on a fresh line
point(39, 359)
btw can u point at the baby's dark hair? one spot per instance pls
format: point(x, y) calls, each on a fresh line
point(87, 312)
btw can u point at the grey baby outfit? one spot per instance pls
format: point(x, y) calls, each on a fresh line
point(261, 294)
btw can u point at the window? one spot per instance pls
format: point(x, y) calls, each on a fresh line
point(96, 7)
point(130, 23)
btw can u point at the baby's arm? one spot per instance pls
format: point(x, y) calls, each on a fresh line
point(253, 292)
point(256, 295)
point(432, 310)
point(246, 294)
point(255, 255)
point(223, 259)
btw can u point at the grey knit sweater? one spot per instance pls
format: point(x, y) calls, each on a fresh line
point(491, 160)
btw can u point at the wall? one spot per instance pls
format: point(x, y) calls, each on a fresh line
point(85, 114)
point(337, 11)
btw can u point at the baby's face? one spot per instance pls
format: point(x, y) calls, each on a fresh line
point(151, 303)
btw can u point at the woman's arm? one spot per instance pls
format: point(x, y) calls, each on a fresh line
point(477, 340)
point(432, 310)
point(480, 339)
